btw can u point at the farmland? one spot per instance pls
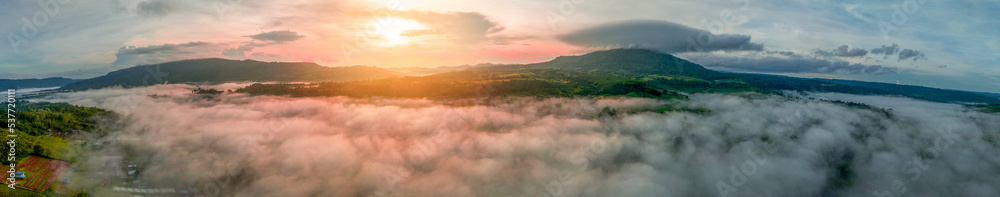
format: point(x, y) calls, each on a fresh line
point(7, 192)
point(42, 173)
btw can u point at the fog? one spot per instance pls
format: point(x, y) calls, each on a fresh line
point(739, 145)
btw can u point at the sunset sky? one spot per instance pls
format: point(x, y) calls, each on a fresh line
point(943, 44)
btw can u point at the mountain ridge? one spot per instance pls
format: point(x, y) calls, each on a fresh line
point(643, 62)
point(217, 70)
point(636, 69)
point(36, 82)
point(621, 61)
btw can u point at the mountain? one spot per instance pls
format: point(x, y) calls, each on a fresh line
point(420, 71)
point(989, 94)
point(215, 70)
point(35, 83)
point(632, 62)
point(926, 93)
point(627, 72)
point(641, 62)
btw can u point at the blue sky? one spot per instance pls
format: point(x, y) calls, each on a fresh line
point(953, 43)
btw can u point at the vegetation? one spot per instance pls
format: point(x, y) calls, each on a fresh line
point(464, 84)
point(45, 129)
point(206, 91)
point(42, 173)
point(620, 72)
point(884, 111)
point(994, 108)
point(646, 63)
point(35, 83)
point(216, 70)
point(920, 92)
point(8, 192)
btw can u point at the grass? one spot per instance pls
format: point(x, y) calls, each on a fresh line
point(8, 192)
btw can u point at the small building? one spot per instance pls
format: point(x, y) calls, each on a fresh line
point(20, 175)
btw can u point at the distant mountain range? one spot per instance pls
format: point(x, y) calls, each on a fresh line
point(621, 62)
point(35, 83)
point(635, 72)
point(216, 70)
point(611, 72)
point(926, 93)
point(989, 94)
point(641, 62)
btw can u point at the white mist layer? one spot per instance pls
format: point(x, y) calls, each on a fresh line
point(747, 145)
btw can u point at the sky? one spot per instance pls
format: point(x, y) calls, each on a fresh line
point(945, 44)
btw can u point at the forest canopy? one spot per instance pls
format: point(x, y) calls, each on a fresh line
point(46, 129)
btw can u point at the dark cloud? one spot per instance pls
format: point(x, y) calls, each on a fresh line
point(658, 35)
point(903, 54)
point(911, 54)
point(238, 52)
point(785, 53)
point(155, 7)
point(887, 50)
point(268, 38)
point(133, 55)
point(165, 48)
point(843, 51)
point(277, 36)
point(792, 64)
point(461, 27)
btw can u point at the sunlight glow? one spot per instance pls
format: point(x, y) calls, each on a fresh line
point(391, 30)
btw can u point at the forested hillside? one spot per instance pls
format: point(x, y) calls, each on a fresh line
point(630, 72)
point(46, 128)
point(216, 70)
point(35, 83)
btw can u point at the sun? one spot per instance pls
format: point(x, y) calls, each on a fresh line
point(391, 30)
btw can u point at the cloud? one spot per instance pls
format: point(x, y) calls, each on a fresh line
point(268, 38)
point(887, 50)
point(911, 54)
point(132, 55)
point(785, 53)
point(74, 74)
point(238, 52)
point(277, 36)
point(155, 7)
point(153, 49)
point(904, 54)
point(784, 64)
point(334, 146)
point(843, 51)
point(460, 27)
point(658, 35)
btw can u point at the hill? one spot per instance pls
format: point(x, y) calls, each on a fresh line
point(926, 93)
point(215, 70)
point(989, 94)
point(628, 72)
point(644, 63)
point(628, 62)
point(46, 128)
point(35, 83)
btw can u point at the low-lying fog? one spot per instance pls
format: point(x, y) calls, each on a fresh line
point(745, 145)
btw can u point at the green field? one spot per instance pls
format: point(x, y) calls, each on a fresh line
point(7, 192)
